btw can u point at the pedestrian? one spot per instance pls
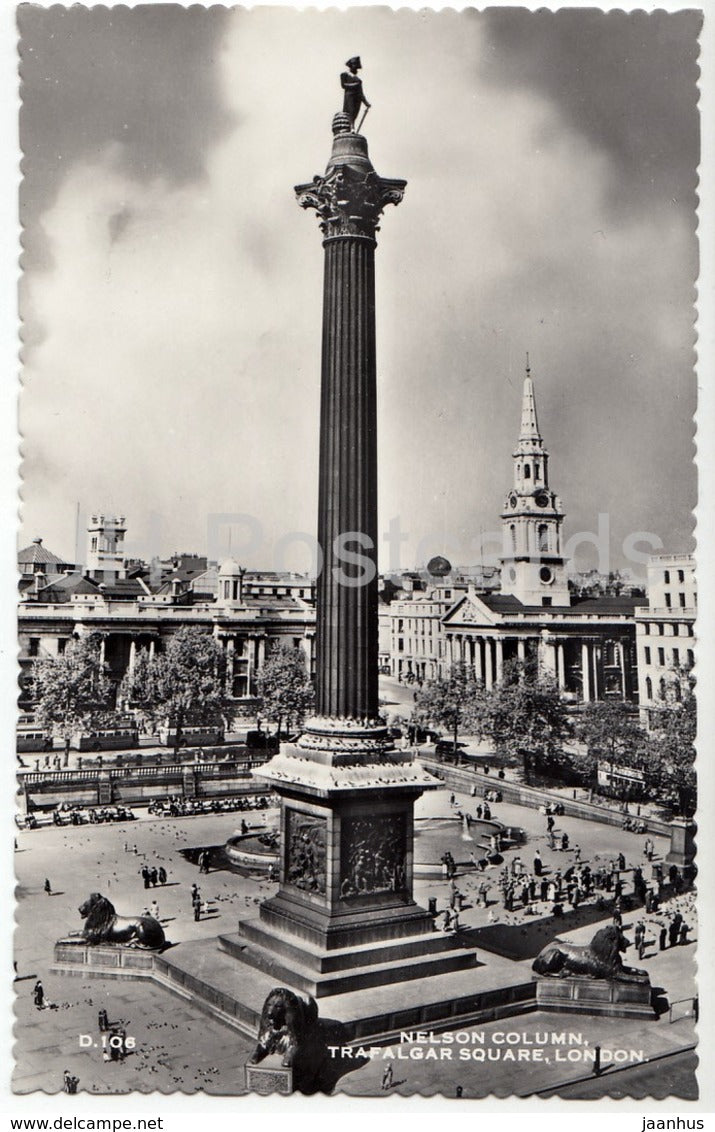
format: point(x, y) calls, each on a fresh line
point(194, 893)
point(621, 862)
point(479, 810)
point(102, 1021)
point(197, 910)
point(487, 812)
point(387, 1076)
point(145, 875)
point(455, 922)
point(550, 823)
point(205, 908)
point(38, 994)
point(162, 875)
point(154, 911)
point(537, 863)
point(153, 877)
point(683, 933)
point(662, 938)
point(673, 932)
point(577, 853)
point(564, 841)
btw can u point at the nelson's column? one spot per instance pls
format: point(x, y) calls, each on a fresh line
point(347, 796)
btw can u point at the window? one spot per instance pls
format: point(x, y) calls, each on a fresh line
point(666, 577)
point(34, 646)
point(691, 658)
point(536, 469)
point(527, 472)
point(543, 537)
point(668, 601)
point(546, 601)
point(648, 688)
point(676, 657)
point(681, 576)
point(647, 655)
point(61, 646)
point(661, 630)
point(661, 657)
point(94, 545)
point(512, 529)
point(681, 600)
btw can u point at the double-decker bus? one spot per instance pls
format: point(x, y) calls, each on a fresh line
point(106, 739)
point(30, 737)
point(202, 735)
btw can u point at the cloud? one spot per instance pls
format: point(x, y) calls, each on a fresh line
point(177, 368)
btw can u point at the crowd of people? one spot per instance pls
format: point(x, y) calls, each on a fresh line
point(614, 884)
point(177, 806)
point(67, 814)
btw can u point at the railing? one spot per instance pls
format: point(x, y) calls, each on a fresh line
point(533, 796)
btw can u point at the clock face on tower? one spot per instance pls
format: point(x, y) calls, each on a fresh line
point(541, 499)
point(512, 500)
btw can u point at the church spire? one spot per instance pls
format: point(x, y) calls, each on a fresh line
point(533, 565)
point(529, 422)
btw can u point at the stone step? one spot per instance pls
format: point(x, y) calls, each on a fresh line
point(358, 977)
point(363, 955)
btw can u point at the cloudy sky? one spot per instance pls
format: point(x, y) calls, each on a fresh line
point(172, 287)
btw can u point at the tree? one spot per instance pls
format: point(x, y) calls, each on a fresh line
point(526, 718)
point(182, 686)
point(73, 691)
point(452, 702)
point(611, 734)
point(670, 766)
point(284, 687)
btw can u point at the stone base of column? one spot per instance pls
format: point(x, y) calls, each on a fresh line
point(682, 843)
point(344, 917)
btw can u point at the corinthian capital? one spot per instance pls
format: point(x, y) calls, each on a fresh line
point(349, 202)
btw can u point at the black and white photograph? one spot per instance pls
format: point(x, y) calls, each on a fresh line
point(358, 626)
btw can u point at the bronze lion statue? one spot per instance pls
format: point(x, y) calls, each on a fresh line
point(599, 959)
point(287, 1022)
point(103, 925)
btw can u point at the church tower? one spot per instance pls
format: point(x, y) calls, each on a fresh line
point(533, 567)
point(105, 547)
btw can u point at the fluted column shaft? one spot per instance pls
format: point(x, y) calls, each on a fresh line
point(347, 631)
